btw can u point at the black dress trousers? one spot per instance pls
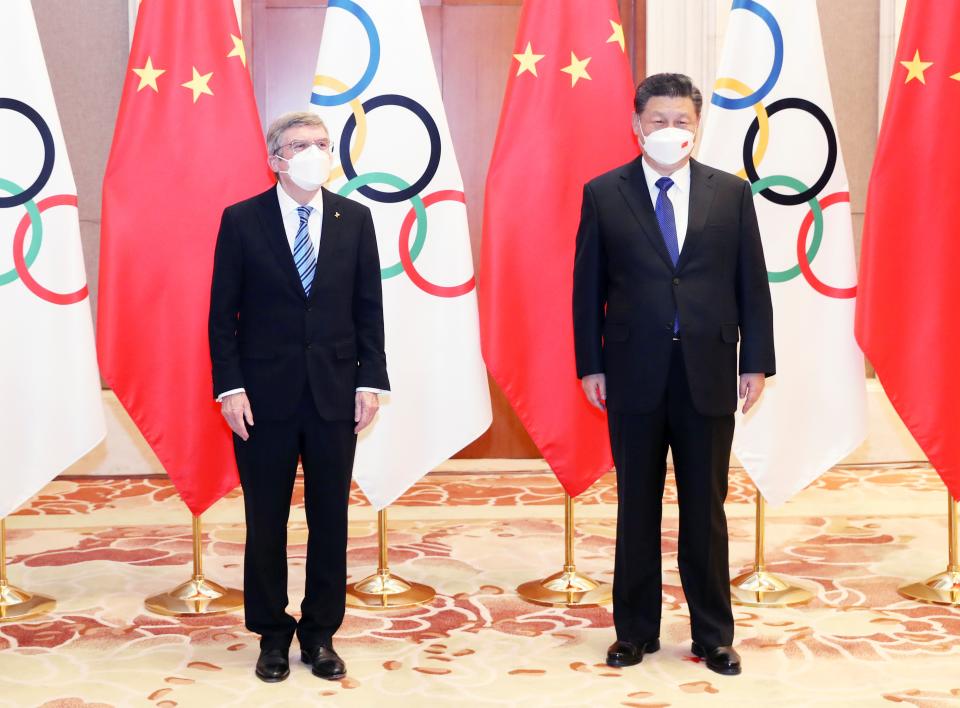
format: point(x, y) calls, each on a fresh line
point(267, 462)
point(701, 455)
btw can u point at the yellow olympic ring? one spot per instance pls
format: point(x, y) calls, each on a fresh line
point(359, 114)
point(762, 119)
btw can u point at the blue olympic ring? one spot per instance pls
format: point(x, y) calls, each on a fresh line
point(761, 93)
point(46, 168)
point(373, 63)
point(433, 162)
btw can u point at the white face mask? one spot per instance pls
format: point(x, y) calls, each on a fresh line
point(308, 169)
point(667, 146)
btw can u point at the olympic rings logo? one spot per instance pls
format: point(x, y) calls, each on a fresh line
point(20, 196)
point(352, 141)
point(755, 143)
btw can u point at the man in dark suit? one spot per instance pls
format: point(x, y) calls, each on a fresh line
point(296, 338)
point(669, 275)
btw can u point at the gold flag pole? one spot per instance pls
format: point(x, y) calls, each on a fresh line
point(758, 587)
point(568, 588)
point(199, 595)
point(17, 605)
point(943, 588)
point(383, 590)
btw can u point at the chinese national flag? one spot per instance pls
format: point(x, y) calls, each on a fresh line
point(565, 120)
point(187, 143)
point(909, 296)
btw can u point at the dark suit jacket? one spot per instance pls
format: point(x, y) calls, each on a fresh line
point(268, 337)
point(626, 290)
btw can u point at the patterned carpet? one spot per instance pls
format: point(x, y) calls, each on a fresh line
point(100, 546)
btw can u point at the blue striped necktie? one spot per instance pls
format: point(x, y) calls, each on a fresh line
point(303, 255)
point(668, 228)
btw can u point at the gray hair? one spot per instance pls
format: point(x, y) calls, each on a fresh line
point(286, 121)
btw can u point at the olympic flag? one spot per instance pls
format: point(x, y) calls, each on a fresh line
point(385, 113)
point(50, 408)
point(771, 120)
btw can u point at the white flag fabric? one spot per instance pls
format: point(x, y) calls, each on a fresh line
point(771, 120)
point(51, 412)
point(377, 90)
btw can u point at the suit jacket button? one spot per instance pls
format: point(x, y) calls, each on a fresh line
point(309, 347)
point(676, 281)
point(309, 309)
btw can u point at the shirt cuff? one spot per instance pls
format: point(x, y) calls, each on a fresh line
point(230, 393)
point(371, 390)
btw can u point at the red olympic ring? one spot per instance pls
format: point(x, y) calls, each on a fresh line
point(452, 195)
point(21, 264)
point(815, 282)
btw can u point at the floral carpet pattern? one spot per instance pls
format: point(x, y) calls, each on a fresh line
point(100, 546)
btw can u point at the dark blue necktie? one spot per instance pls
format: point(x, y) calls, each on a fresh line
point(668, 228)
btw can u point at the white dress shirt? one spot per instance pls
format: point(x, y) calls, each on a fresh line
point(678, 194)
point(291, 224)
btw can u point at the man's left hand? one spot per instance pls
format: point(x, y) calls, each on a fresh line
point(751, 386)
point(365, 408)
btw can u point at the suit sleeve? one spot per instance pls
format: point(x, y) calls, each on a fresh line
point(225, 293)
point(753, 295)
point(589, 289)
point(368, 311)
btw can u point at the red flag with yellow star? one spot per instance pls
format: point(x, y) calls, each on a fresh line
point(187, 143)
point(565, 120)
point(909, 295)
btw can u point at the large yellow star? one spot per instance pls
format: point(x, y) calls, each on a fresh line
point(617, 35)
point(577, 69)
point(528, 60)
point(148, 75)
point(238, 50)
point(198, 84)
point(915, 68)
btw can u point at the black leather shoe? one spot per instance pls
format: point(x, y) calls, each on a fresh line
point(624, 653)
point(273, 665)
point(326, 663)
point(723, 660)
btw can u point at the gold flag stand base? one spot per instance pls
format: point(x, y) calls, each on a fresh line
point(760, 588)
point(943, 588)
point(197, 596)
point(383, 590)
point(568, 588)
point(17, 605)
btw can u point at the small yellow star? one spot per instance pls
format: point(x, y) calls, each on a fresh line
point(198, 84)
point(617, 35)
point(916, 68)
point(955, 77)
point(148, 75)
point(238, 50)
point(577, 69)
point(528, 60)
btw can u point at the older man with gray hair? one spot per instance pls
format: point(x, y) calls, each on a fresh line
point(297, 343)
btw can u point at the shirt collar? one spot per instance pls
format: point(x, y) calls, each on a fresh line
point(681, 178)
point(289, 205)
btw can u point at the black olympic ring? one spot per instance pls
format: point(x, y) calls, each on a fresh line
point(12, 104)
point(815, 111)
point(392, 99)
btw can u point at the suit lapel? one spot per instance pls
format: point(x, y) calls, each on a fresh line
point(634, 189)
point(702, 190)
point(276, 236)
point(330, 232)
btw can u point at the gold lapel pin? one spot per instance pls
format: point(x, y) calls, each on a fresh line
point(336, 215)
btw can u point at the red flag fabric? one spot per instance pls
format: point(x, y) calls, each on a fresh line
point(187, 143)
point(565, 120)
point(909, 294)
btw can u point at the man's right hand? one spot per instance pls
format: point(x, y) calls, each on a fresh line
point(236, 410)
point(595, 388)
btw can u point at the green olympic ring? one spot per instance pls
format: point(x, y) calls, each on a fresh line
point(418, 207)
point(35, 221)
point(782, 276)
